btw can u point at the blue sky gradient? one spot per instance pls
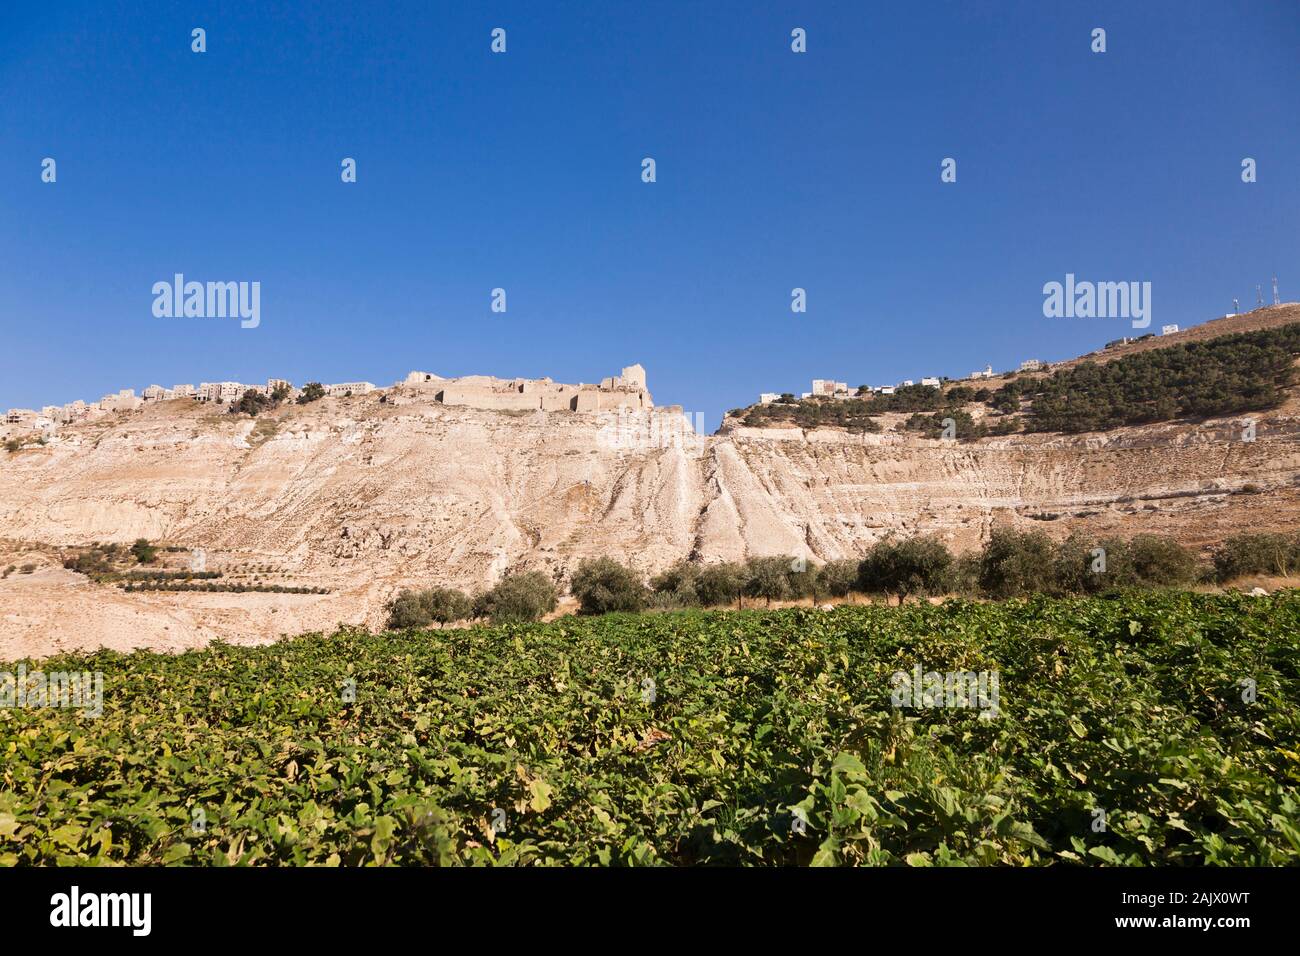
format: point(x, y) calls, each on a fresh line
point(522, 171)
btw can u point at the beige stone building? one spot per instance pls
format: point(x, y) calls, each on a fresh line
point(626, 390)
point(826, 386)
point(221, 391)
point(348, 388)
point(421, 378)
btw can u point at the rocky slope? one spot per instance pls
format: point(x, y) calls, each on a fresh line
point(364, 497)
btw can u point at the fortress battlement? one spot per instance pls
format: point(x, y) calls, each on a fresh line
point(625, 390)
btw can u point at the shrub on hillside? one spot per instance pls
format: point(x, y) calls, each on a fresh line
point(676, 587)
point(768, 578)
point(517, 597)
point(963, 575)
point(1161, 562)
point(603, 585)
point(720, 583)
point(1015, 562)
point(90, 563)
point(918, 564)
point(447, 604)
point(1086, 565)
point(804, 578)
point(311, 392)
point(431, 606)
point(250, 403)
point(838, 578)
point(405, 611)
point(143, 551)
point(1257, 554)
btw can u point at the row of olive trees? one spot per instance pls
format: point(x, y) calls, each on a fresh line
point(516, 597)
point(1011, 564)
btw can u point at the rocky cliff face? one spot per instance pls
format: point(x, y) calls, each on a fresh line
point(365, 498)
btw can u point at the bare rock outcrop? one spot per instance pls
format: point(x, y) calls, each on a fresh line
point(364, 497)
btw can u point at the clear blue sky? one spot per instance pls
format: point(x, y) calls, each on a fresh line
point(522, 171)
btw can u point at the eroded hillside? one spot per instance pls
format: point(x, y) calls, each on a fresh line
point(363, 497)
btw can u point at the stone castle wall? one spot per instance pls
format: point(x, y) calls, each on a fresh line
point(626, 391)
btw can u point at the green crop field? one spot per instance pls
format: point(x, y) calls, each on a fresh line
point(1157, 728)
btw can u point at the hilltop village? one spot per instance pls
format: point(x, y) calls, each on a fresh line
point(625, 391)
point(829, 388)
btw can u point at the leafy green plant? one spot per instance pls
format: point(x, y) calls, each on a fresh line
point(759, 719)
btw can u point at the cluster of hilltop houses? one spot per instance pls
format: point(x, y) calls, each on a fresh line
point(627, 390)
point(829, 388)
point(126, 400)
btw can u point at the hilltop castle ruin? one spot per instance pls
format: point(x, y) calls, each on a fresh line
point(625, 390)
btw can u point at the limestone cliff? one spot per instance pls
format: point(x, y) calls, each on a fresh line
point(364, 497)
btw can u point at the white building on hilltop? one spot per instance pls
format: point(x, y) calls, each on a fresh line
point(767, 398)
point(1168, 329)
point(348, 388)
point(826, 386)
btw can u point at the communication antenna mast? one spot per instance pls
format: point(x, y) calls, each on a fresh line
point(1275, 299)
point(1236, 306)
point(1259, 296)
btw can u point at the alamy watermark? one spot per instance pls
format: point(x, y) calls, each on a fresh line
point(641, 429)
point(211, 300)
point(133, 911)
point(1098, 300)
point(976, 690)
point(67, 689)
